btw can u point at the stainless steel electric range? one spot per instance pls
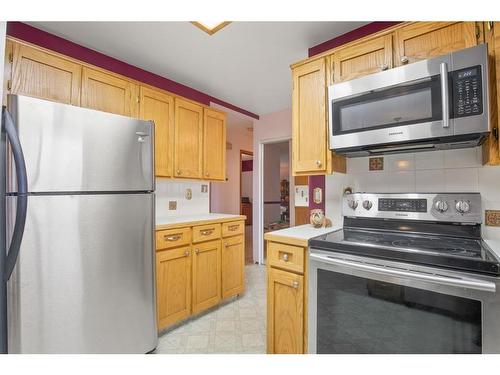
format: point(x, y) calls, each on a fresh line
point(407, 273)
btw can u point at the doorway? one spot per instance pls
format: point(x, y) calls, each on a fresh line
point(246, 200)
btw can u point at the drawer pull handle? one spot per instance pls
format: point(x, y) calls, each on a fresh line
point(174, 237)
point(232, 228)
point(207, 232)
point(286, 257)
point(295, 284)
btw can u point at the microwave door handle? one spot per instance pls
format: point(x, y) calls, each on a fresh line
point(411, 275)
point(22, 193)
point(445, 94)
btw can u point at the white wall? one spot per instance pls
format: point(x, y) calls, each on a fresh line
point(175, 190)
point(225, 196)
point(276, 126)
point(435, 171)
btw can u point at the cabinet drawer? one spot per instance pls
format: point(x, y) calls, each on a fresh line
point(287, 257)
point(232, 228)
point(206, 232)
point(165, 239)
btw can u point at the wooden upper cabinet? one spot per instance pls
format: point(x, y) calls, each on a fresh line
point(44, 75)
point(206, 275)
point(309, 128)
point(423, 40)
point(285, 319)
point(173, 285)
point(368, 57)
point(109, 93)
point(188, 144)
point(233, 265)
point(214, 145)
point(159, 107)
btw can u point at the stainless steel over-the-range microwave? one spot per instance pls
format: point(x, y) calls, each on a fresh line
point(439, 103)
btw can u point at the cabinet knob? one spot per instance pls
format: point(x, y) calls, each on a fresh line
point(295, 284)
point(286, 257)
point(207, 174)
point(196, 251)
point(318, 163)
point(405, 59)
point(186, 253)
point(226, 244)
point(178, 171)
point(384, 67)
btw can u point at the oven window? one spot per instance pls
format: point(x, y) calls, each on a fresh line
point(357, 315)
point(395, 106)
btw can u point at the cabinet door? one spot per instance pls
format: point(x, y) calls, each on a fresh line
point(206, 275)
point(109, 93)
point(233, 266)
point(285, 315)
point(159, 107)
point(43, 75)
point(173, 285)
point(214, 145)
point(422, 40)
point(361, 59)
point(188, 146)
point(309, 130)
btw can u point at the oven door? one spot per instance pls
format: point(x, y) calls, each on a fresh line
point(404, 104)
point(363, 305)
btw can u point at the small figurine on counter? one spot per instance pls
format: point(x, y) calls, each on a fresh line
point(319, 220)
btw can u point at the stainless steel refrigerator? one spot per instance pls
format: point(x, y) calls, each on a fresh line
point(78, 207)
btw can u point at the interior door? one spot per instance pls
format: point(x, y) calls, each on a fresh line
point(84, 280)
point(68, 148)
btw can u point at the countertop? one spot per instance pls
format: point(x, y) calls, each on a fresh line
point(494, 246)
point(188, 220)
point(299, 235)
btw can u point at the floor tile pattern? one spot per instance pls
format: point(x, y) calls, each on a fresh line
point(238, 326)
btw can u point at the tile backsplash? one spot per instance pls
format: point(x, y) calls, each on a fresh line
point(175, 190)
point(435, 171)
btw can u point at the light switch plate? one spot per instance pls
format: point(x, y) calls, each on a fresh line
point(172, 205)
point(492, 218)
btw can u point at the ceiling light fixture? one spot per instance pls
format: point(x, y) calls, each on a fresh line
point(210, 27)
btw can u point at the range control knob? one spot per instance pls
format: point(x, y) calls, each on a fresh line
point(367, 205)
point(462, 207)
point(441, 206)
point(352, 204)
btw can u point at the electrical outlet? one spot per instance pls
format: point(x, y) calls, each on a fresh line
point(172, 205)
point(189, 194)
point(492, 218)
point(204, 188)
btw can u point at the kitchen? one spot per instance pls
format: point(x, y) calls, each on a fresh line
point(394, 126)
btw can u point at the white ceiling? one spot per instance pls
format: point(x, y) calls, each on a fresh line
point(245, 63)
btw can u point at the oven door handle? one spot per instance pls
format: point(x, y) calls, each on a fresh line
point(413, 275)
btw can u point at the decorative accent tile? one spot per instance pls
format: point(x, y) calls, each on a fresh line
point(492, 218)
point(376, 164)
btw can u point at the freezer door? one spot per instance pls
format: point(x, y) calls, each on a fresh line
point(71, 149)
point(84, 280)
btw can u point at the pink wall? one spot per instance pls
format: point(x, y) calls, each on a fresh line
point(225, 196)
point(273, 126)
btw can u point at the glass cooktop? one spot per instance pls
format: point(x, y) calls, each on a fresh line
point(449, 252)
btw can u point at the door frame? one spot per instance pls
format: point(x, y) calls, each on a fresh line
point(258, 220)
point(243, 152)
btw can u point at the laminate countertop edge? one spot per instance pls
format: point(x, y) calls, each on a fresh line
point(203, 219)
point(299, 235)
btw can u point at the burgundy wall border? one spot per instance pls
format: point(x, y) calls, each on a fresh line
point(55, 43)
point(358, 33)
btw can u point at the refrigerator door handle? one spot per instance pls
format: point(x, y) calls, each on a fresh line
point(22, 189)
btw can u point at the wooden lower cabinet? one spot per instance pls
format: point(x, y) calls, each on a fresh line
point(285, 315)
point(233, 266)
point(206, 275)
point(173, 285)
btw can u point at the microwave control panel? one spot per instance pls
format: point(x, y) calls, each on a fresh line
point(467, 92)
